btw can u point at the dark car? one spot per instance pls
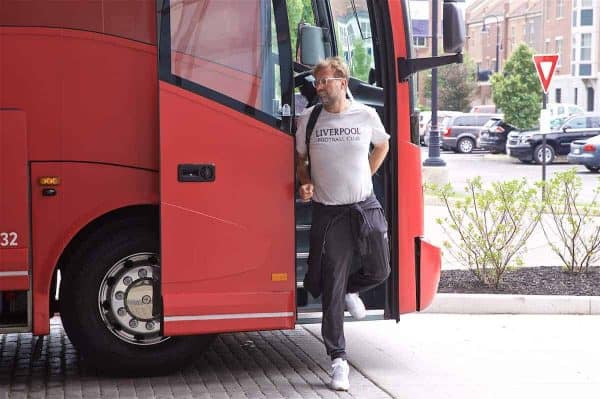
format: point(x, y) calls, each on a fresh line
point(494, 134)
point(527, 146)
point(461, 132)
point(586, 153)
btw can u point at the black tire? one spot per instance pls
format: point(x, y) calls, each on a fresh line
point(593, 169)
point(465, 145)
point(537, 154)
point(86, 321)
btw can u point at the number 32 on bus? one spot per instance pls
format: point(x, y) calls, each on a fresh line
point(147, 167)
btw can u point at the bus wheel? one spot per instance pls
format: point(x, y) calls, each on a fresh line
point(110, 304)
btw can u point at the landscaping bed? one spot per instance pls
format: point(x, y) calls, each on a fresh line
point(543, 280)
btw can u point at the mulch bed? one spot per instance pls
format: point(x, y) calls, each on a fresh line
point(543, 280)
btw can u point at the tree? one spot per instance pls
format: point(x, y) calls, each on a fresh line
point(456, 84)
point(517, 90)
point(361, 61)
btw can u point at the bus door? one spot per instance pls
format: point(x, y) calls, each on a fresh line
point(14, 221)
point(227, 166)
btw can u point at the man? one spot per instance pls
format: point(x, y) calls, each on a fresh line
point(335, 171)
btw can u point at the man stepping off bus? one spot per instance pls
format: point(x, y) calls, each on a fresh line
point(348, 226)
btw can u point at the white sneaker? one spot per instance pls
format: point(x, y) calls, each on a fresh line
point(355, 305)
point(339, 375)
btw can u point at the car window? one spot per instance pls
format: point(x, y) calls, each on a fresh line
point(491, 122)
point(575, 123)
point(482, 120)
point(465, 121)
point(593, 122)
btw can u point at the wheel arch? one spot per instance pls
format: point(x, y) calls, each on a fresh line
point(149, 211)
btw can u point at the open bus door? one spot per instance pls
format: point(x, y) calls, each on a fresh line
point(227, 167)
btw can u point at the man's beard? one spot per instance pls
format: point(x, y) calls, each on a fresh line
point(326, 99)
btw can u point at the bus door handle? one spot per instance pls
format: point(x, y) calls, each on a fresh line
point(196, 172)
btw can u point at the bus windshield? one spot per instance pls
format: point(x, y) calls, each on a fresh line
point(353, 33)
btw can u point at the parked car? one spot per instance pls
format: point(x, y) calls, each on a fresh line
point(461, 132)
point(560, 112)
point(527, 146)
point(586, 152)
point(424, 121)
point(443, 117)
point(494, 134)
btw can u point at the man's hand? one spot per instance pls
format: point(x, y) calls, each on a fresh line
point(306, 191)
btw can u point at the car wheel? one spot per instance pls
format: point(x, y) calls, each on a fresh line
point(110, 304)
point(592, 168)
point(543, 151)
point(465, 145)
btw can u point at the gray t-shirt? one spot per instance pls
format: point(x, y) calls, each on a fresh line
point(339, 152)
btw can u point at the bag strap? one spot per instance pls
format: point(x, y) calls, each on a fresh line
point(310, 126)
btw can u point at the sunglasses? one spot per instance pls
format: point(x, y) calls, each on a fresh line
point(323, 81)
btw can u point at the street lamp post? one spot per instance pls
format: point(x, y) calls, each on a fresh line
point(484, 29)
point(434, 158)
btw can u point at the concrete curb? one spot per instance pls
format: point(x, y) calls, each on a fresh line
point(514, 304)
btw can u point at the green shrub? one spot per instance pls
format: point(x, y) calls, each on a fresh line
point(574, 225)
point(487, 230)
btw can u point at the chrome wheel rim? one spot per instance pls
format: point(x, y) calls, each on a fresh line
point(544, 154)
point(126, 299)
point(466, 146)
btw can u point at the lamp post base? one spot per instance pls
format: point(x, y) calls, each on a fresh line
point(435, 175)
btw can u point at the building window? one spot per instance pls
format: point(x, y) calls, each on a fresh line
point(586, 47)
point(558, 95)
point(585, 69)
point(547, 46)
point(587, 17)
point(558, 46)
point(575, 96)
point(560, 8)
point(419, 41)
point(574, 18)
point(590, 99)
point(574, 49)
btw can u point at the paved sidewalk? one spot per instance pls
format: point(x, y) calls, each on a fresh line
point(268, 364)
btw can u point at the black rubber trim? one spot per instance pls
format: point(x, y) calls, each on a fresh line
point(418, 272)
point(95, 163)
point(80, 30)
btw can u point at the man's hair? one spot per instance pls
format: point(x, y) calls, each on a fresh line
point(339, 66)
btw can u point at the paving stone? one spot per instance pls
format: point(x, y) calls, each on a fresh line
point(255, 365)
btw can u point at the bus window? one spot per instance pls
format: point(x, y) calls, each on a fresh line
point(354, 36)
point(213, 46)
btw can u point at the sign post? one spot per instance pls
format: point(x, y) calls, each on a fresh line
point(545, 64)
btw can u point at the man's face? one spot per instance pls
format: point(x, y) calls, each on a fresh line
point(330, 89)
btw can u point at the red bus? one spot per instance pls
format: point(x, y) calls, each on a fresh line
point(147, 185)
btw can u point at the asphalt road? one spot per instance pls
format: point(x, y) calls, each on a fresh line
point(499, 167)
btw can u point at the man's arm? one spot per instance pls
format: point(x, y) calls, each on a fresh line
point(302, 169)
point(306, 187)
point(378, 155)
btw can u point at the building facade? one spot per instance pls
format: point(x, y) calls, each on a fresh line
point(569, 28)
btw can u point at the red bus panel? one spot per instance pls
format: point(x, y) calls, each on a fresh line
point(14, 210)
point(228, 244)
point(410, 198)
